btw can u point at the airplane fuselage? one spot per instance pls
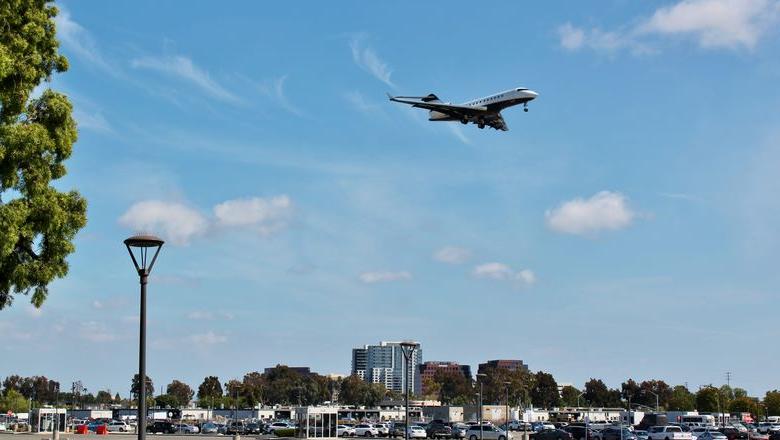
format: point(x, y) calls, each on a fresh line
point(492, 104)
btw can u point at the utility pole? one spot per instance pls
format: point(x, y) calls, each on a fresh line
point(728, 378)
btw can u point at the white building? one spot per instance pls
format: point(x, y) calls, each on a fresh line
point(385, 363)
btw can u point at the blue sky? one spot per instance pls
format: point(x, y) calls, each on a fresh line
point(625, 227)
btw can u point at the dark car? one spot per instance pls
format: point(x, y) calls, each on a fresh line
point(551, 434)
point(253, 428)
point(733, 433)
point(613, 433)
point(235, 428)
point(438, 429)
point(398, 430)
point(774, 435)
point(160, 427)
point(578, 432)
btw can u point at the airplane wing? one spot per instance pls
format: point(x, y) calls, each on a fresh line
point(497, 122)
point(450, 109)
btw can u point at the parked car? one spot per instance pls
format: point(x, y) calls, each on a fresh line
point(734, 433)
point(578, 432)
point(668, 432)
point(235, 427)
point(398, 430)
point(209, 428)
point(187, 429)
point(614, 433)
point(366, 430)
point(93, 425)
point(383, 428)
point(552, 434)
point(345, 431)
point(270, 428)
point(161, 427)
point(712, 435)
point(488, 432)
point(438, 429)
point(459, 430)
point(119, 426)
point(417, 432)
point(640, 434)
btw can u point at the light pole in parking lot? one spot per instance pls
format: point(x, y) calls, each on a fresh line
point(656, 398)
point(479, 379)
point(407, 348)
point(142, 244)
point(507, 407)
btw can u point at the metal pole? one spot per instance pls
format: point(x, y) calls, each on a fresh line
point(142, 360)
point(506, 422)
point(480, 411)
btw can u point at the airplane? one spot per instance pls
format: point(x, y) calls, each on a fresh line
point(482, 111)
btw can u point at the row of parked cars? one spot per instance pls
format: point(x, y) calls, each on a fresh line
point(596, 431)
point(436, 429)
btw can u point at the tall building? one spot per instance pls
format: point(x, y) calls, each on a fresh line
point(384, 363)
point(503, 364)
point(429, 369)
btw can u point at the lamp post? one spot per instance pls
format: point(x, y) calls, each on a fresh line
point(407, 348)
point(578, 398)
point(656, 399)
point(479, 376)
point(507, 407)
point(142, 244)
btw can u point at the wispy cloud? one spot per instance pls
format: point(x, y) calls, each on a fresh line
point(275, 90)
point(502, 272)
point(91, 121)
point(366, 58)
point(384, 277)
point(713, 24)
point(174, 221)
point(603, 211)
point(208, 338)
point(181, 67)
point(452, 255)
point(206, 315)
point(359, 102)
point(264, 215)
point(79, 41)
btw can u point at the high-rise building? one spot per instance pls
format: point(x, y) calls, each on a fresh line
point(429, 369)
point(385, 363)
point(503, 364)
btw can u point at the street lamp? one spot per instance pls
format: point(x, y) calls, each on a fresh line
point(142, 244)
point(578, 398)
point(479, 375)
point(507, 406)
point(656, 399)
point(408, 348)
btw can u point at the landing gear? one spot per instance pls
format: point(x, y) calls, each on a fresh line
point(525, 107)
point(464, 121)
point(481, 123)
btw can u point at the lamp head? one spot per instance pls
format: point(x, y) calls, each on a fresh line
point(142, 244)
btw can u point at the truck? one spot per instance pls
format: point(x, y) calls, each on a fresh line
point(668, 432)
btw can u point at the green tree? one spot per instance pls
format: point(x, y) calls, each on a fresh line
point(745, 404)
point(544, 392)
point(103, 397)
point(454, 388)
point(37, 222)
point(166, 401)
point(772, 402)
point(12, 400)
point(708, 400)
point(356, 391)
point(181, 391)
point(597, 393)
point(569, 396)
point(740, 392)
point(209, 392)
point(681, 399)
point(253, 388)
point(135, 387)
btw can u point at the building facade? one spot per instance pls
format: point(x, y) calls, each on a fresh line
point(427, 371)
point(503, 364)
point(385, 363)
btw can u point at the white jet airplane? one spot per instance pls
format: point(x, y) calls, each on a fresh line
point(482, 111)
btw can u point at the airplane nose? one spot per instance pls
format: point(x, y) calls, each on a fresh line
point(531, 94)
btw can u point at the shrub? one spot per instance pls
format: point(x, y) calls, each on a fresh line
point(288, 432)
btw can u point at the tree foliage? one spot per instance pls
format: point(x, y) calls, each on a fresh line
point(356, 391)
point(598, 394)
point(544, 392)
point(37, 222)
point(12, 400)
point(772, 402)
point(569, 396)
point(708, 400)
point(681, 399)
point(453, 388)
point(209, 392)
point(181, 392)
point(135, 387)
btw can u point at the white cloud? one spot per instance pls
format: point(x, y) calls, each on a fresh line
point(266, 215)
point(173, 221)
point(275, 90)
point(384, 277)
point(604, 211)
point(208, 338)
point(203, 315)
point(452, 255)
point(456, 130)
point(368, 60)
point(91, 121)
point(94, 331)
point(730, 24)
point(502, 272)
point(183, 68)
point(78, 40)
point(34, 312)
point(716, 23)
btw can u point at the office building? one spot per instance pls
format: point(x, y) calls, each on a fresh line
point(385, 363)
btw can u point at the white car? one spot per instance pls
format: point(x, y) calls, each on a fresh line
point(488, 432)
point(118, 426)
point(277, 425)
point(383, 428)
point(669, 432)
point(366, 430)
point(345, 431)
point(417, 432)
point(187, 429)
